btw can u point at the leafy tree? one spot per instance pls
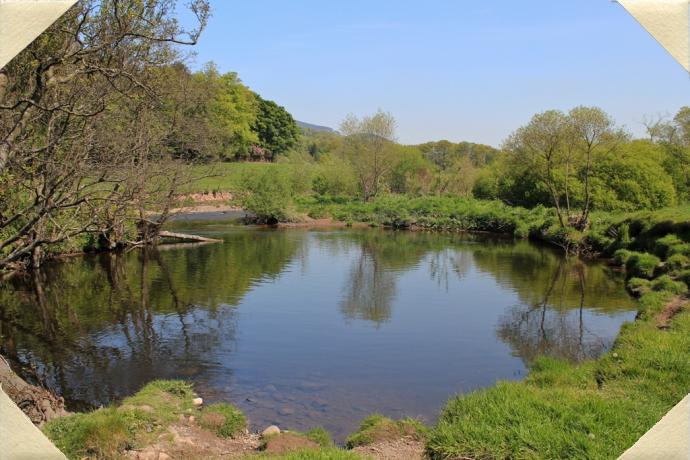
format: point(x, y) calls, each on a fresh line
point(276, 129)
point(89, 76)
point(370, 148)
point(539, 146)
point(555, 153)
point(234, 112)
point(632, 179)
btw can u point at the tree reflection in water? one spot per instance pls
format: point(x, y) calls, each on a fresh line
point(115, 338)
point(97, 328)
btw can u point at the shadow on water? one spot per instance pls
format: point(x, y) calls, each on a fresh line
point(309, 327)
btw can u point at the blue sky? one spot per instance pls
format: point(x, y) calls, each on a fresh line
point(456, 70)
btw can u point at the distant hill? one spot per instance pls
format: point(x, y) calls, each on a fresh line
point(315, 128)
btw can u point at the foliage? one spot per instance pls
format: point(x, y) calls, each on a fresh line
point(277, 130)
point(665, 283)
point(268, 196)
point(370, 149)
point(642, 264)
point(677, 262)
point(621, 256)
point(334, 176)
point(83, 132)
point(639, 286)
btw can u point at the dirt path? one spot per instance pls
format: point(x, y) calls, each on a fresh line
point(406, 448)
point(675, 306)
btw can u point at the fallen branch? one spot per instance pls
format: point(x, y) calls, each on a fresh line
point(187, 237)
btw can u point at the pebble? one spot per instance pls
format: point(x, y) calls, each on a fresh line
point(192, 419)
point(197, 401)
point(271, 430)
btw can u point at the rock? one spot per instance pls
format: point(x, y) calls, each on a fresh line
point(271, 430)
point(163, 456)
point(197, 402)
point(286, 411)
point(192, 419)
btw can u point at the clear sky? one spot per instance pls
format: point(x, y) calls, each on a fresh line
point(456, 70)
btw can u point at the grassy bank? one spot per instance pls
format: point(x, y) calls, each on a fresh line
point(599, 408)
point(595, 409)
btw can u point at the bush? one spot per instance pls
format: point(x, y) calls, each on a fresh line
point(334, 177)
point(621, 256)
point(666, 284)
point(641, 265)
point(663, 246)
point(677, 262)
point(684, 276)
point(268, 195)
point(223, 419)
point(639, 286)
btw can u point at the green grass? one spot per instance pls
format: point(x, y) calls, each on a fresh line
point(108, 432)
point(321, 454)
point(223, 419)
point(584, 411)
point(642, 265)
point(376, 428)
point(320, 436)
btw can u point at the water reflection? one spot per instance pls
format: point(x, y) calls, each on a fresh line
point(323, 319)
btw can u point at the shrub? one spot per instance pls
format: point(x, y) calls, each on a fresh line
point(683, 249)
point(621, 256)
point(663, 246)
point(666, 284)
point(224, 419)
point(684, 276)
point(639, 286)
point(268, 195)
point(641, 265)
point(677, 262)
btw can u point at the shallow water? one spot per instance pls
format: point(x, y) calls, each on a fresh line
point(309, 327)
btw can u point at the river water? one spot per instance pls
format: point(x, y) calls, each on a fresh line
point(303, 327)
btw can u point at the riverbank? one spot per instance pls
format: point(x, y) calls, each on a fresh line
point(559, 411)
point(166, 419)
point(645, 372)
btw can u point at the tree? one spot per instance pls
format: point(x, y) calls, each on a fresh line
point(556, 153)
point(61, 100)
point(632, 179)
point(539, 146)
point(369, 147)
point(276, 129)
point(590, 132)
